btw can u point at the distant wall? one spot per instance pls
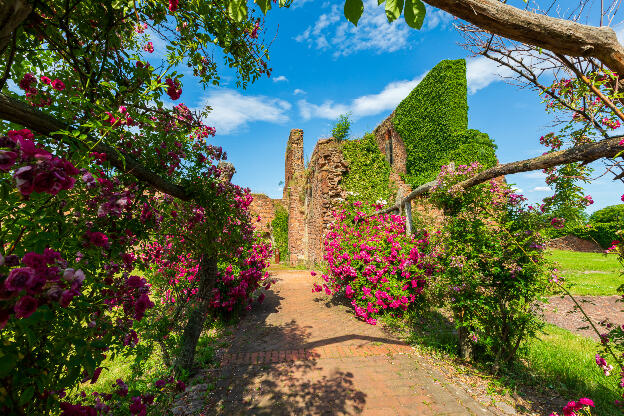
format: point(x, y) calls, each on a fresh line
point(263, 207)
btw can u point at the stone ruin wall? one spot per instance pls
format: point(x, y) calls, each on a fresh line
point(263, 207)
point(392, 146)
point(312, 193)
point(323, 193)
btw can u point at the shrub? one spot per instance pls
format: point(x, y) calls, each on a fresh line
point(493, 264)
point(375, 264)
point(433, 120)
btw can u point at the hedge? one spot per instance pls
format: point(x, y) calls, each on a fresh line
point(433, 121)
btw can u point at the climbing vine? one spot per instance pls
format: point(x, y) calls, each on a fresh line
point(368, 175)
point(433, 120)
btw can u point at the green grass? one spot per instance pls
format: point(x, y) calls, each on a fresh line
point(565, 362)
point(556, 360)
point(589, 273)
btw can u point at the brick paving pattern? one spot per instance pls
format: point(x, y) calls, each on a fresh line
point(300, 354)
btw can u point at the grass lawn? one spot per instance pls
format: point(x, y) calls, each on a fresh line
point(589, 273)
point(555, 361)
point(565, 362)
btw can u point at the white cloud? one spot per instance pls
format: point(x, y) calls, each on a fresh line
point(298, 91)
point(536, 174)
point(481, 72)
point(232, 111)
point(299, 3)
point(373, 32)
point(436, 18)
point(542, 189)
point(363, 106)
point(280, 78)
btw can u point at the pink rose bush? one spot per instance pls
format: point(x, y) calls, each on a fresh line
point(580, 407)
point(374, 264)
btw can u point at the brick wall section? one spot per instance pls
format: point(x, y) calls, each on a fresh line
point(322, 194)
point(294, 197)
point(264, 207)
point(391, 145)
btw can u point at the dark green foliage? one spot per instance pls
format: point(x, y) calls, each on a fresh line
point(280, 232)
point(368, 177)
point(433, 121)
point(610, 214)
point(601, 233)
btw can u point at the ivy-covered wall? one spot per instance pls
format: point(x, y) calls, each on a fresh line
point(368, 175)
point(280, 232)
point(433, 123)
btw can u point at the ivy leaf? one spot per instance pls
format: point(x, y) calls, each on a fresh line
point(414, 13)
point(237, 9)
point(393, 9)
point(353, 10)
point(27, 395)
point(265, 5)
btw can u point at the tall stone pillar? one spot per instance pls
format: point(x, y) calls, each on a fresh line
point(294, 198)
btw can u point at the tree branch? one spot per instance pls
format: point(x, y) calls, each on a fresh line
point(17, 112)
point(558, 35)
point(585, 153)
point(12, 14)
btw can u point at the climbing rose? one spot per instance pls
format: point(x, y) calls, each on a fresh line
point(25, 307)
point(19, 279)
point(173, 5)
point(77, 410)
point(98, 239)
point(138, 408)
point(149, 47)
point(58, 85)
point(7, 160)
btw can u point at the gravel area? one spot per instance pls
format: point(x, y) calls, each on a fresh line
point(562, 312)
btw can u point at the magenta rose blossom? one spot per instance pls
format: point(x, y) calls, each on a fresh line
point(19, 279)
point(58, 85)
point(25, 307)
point(7, 160)
point(24, 178)
point(98, 239)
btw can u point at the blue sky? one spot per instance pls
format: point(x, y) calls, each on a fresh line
point(323, 66)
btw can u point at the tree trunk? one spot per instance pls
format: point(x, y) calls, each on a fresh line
point(557, 35)
point(465, 346)
point(197, 317)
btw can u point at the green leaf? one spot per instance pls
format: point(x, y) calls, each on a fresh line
point(27, 395)
point(380, 2)
point(237, 9)
point(393, 9)
point(414, 13)
point(7, 363)
point(265, 5)
point(353, 10)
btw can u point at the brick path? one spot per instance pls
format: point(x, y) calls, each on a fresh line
point(297, 354)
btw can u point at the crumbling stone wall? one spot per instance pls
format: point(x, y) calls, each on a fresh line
point(294, 197)
point(263, 207)
point(322, 195)
point(391, 145)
